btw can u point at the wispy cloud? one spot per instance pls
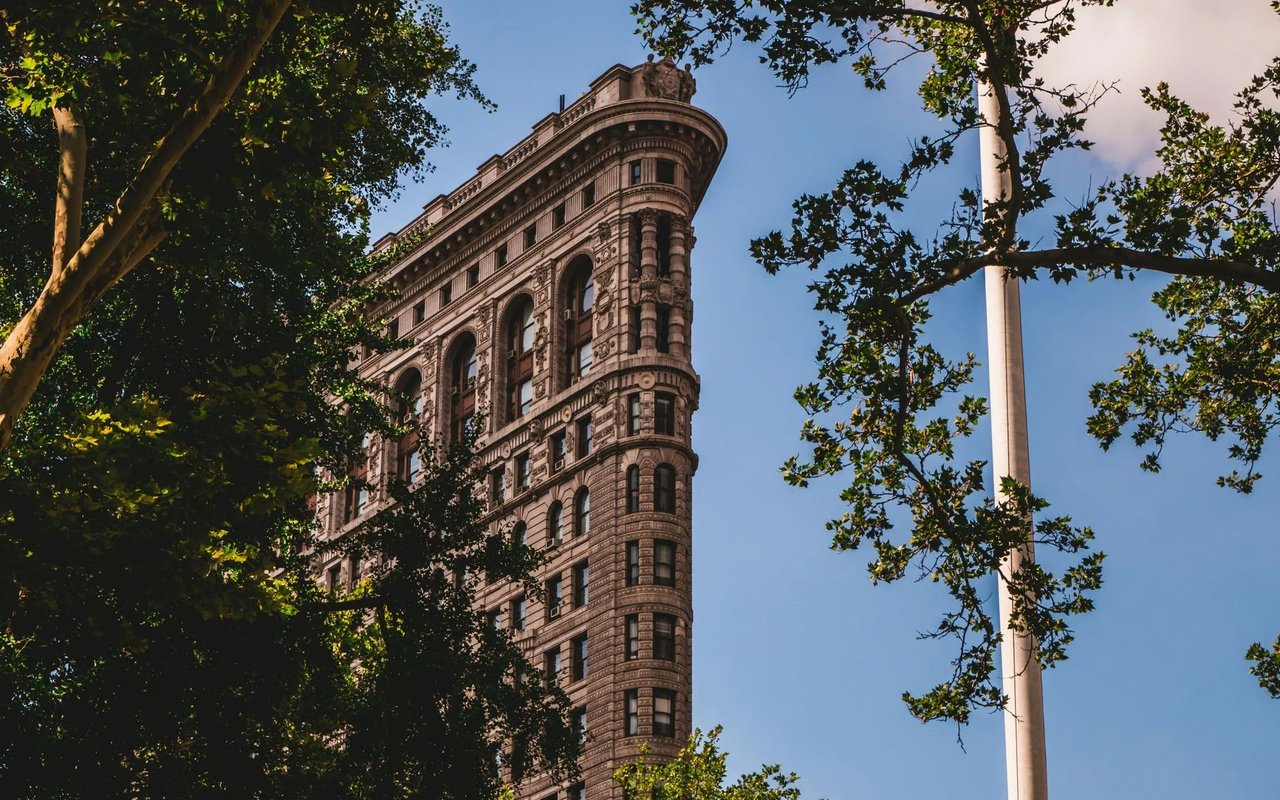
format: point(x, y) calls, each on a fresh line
point(1206, 50)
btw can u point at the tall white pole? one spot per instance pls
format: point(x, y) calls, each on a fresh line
point(1025, 767)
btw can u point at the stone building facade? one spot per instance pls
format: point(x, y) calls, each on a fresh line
point(550, 292)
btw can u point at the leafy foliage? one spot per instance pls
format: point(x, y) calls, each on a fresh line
point(890, 409)
point(698, 773)
point(163, 634)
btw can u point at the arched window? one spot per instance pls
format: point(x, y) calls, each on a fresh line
point(555, 524)
point(579, 298)
point(522, 327)
point(633, 489)
point(409, 406)
point(664, 488)
point(462, 387)
point(519, 537)
point(582, 512)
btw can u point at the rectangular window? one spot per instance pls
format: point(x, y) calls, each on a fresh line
point(664, 637)
point(519, 757)
point(578, 791)
point(557, 452)
point(633, 563)
point(633, 489)
point(581, 578)
point(664, 413)
point(584, 437)
point(633, 414)
point(353, 574)
point(632, 626)
point(523, 472)
point(634, 168)
point(580, 723)
point(495, 619)
point(356, 495)
point(583, 358)
point(664, 329)
point(634, 328)
point(555, 589)
point(578, 646)
point(393, 329)
point(664, 562)
point(631, 702)
point(589, 195)
point(335, 577)
point(557, 217)
point(517, 613)
point(664, 712)
point(500, 256)
point(664, 489)
point(666, 171)
point(551, 666)
point(446, 295)
point(498, 485)
point(419, 311)
point(473, 275)
point(530, 236)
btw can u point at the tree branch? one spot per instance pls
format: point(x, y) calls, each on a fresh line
point(69, 202)
point(373, 602)
point(1219, 269)
point(71, 292)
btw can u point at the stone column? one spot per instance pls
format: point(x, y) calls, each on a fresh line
point(679, 335)
point(648, 279)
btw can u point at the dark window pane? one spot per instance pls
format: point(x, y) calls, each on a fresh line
point(664, 562)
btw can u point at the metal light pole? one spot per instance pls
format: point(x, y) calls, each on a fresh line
point(1020, 672)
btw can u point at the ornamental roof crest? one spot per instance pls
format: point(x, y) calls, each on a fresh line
point(663, 79)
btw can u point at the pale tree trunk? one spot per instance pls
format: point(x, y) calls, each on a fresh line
point(1025, 758)
point(82, 272)
point(69, 203)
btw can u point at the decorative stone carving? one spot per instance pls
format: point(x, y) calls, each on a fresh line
point(540, 340)
point(604, 309)
point(606, 246)
point(648, 290)
point(649, 216)
point(542, 278)
point(604, 278)
point(600, 393)
point(536, 430)
point(485, 315)
point(664, 80)
point(679, 289)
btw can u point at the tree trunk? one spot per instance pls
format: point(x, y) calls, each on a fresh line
point(127, 234)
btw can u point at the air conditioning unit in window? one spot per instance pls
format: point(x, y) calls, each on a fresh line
point(513, 354)
point(553, 612)
point(568, 315)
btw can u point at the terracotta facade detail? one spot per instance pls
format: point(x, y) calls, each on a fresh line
point(563, 267)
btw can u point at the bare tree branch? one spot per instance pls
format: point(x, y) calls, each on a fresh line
point(1215, 268)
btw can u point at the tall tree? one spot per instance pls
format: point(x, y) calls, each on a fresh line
point(1202, 218)
point(161, 632)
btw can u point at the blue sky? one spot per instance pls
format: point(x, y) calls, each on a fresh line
point(795, 652)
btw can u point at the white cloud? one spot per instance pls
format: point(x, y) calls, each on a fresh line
point(1206, 50)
